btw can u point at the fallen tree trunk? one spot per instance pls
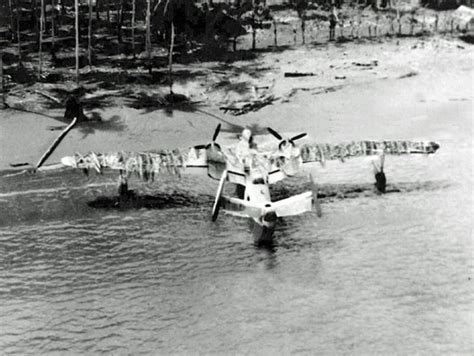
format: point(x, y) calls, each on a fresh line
point(297, 74)
point(56, 143)
point(2, 85)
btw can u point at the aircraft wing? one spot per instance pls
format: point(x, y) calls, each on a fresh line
point(326, 152)
point(144, 164)
point(277, 164)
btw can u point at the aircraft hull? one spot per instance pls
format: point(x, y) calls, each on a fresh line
point(263, 233)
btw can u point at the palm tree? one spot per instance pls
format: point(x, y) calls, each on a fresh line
point(2, 89)
point(148, 34)
point(119, 20)
point(89, 36)
point(301, 6)
point(171, 58)
point(76, 10)
point(133, 26)
point(10, 16)
point(97, 10)
point(53, 24)
point(40, 47)
point(18, 34)
point(275, 32)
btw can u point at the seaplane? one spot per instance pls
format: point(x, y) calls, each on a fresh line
point(251, 169)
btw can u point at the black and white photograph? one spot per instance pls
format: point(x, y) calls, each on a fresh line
point(236, 177)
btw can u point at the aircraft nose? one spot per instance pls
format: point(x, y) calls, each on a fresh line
point(435, 146)
point(269, 217)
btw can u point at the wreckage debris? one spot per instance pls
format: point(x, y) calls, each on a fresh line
point(373, 63)
point(242, 107)
point(298, 74)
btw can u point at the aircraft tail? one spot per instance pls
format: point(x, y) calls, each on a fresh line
point(294, 205)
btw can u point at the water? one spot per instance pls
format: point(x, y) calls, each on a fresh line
point(375, 275)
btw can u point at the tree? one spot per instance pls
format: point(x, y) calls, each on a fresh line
point(2, 89)
point(171, 59)
point(89, 36)
point(40, 45)
point(133, 26)
point(119, 20)
point(253, 13)
point(18, 34)
point(53, 25)
point(76, 10)
point(10, 17)
point(148, 34)
point(301, 6)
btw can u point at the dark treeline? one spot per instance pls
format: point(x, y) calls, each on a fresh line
point(64, 33)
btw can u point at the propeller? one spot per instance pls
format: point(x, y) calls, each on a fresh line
point(213, 143)
point(283, 141)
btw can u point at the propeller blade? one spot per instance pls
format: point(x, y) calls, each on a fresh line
point(200, 147)
point(297, 137)
point(274, 133)
point(216, 133)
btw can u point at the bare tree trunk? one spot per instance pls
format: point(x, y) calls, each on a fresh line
point(10, 17)
point(53, 25)
point(35, 9)
point(40, 47)
point(399, 21)
point(303, 28)
point(56, 142)
point(97, 10)
point(76, 10)
point(89, 37)
point(275, 33)
point(18, 33)
point(108, 12)
point(2, 87)
point(148, 34)
point(171, 58)
point(133, 26)
point(119, 21)
point(254, 29)
point(254, 38)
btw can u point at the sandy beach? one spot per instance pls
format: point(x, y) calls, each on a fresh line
point(404, 88)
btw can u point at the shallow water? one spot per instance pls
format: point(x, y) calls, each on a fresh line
point(375, 275)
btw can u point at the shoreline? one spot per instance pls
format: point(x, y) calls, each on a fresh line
point(398, 98)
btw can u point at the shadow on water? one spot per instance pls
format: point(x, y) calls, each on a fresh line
point(147, 201)
point(331, 192)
